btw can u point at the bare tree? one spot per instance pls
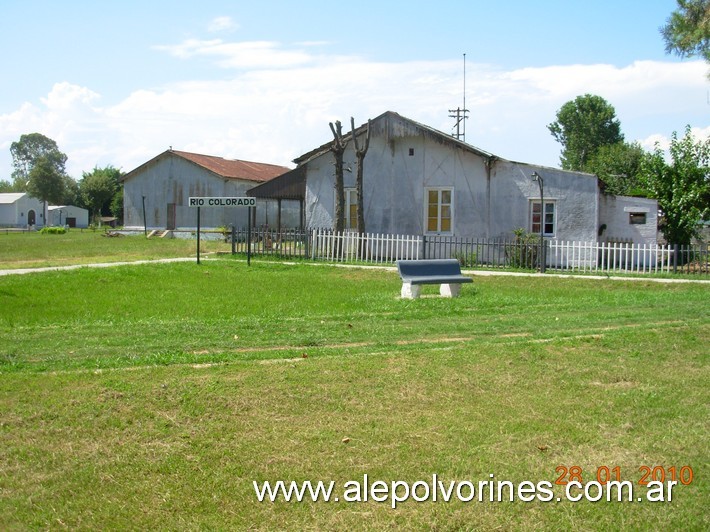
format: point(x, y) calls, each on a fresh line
point(338, 148)
point(360, 157)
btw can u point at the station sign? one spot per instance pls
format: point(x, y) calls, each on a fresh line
point(221, 202)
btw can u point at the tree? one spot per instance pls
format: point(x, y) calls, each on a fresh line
point(39, 168)
point(360, 153)
point(582, 127)
point(619, 167)
point(338, 148)
point(681, 187)
point(117, 204)
point(46, 180)
point(27, 151)
point(98, 188)
point(687, 30)
point(72, 195)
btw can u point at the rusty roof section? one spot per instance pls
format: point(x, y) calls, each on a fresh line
point(234, 168)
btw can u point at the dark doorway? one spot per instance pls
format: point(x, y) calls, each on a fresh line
point(31, 217)
point(171, 216)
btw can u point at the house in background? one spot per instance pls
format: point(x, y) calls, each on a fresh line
point(420, 181)
point(18, 209)
point(68, 215)
point(162, 186)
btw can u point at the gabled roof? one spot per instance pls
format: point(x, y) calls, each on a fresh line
point(394, 124)
point(8, 198)
point(292, 184)
point(224, 168)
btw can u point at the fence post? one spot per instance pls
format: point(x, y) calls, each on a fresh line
point(423, 246)
point(234, 235)
point(544, 252)
point(675, 258)
point(313, 243)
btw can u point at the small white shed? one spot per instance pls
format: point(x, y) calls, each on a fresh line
point(69, 215)
point(17, 209)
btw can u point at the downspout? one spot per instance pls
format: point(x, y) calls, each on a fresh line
point(489, 162)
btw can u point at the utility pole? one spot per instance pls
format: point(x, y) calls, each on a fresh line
point(461, 114)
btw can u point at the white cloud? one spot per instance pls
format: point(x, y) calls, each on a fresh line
point(239, 55)
point(664, 141)
point(280, 106)
point(221, 24)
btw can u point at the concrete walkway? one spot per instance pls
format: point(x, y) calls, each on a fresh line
point(480, 273)
point(22, 271)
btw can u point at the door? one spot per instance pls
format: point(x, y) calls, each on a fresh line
point(31, 217)
point(171, 216)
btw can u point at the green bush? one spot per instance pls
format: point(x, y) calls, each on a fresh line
point(523, 251)
point(53, 230)
point(465, 258)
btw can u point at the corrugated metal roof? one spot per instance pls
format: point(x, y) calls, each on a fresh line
point(225, 168)
point(235, 168)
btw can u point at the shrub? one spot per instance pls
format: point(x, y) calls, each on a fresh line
point(465, 258)
point(523, 251)
point(53, 230)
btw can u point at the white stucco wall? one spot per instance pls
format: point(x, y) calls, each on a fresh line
point(67, 211)
point(615, 212)
point(404, 160)
point(15, 208)
point(513, 191)
point(395, 182)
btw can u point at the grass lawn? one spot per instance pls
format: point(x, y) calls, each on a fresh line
point(154, 396)
point(35, 250)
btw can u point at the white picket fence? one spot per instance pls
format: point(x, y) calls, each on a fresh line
point(372, 248)
point(609, 257)
point(592, 257)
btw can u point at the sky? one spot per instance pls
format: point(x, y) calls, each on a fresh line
point(117, 83)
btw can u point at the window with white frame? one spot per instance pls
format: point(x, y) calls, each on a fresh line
point(548, 219)
point(350, 208)
point(439, 210)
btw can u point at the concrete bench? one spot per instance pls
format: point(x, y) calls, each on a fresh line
point(444, 272)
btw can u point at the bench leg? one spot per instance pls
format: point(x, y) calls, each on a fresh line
point(410, 291)
point(450, 290)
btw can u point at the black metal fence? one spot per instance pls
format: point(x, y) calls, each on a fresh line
point(286, 243)
point(492, 253)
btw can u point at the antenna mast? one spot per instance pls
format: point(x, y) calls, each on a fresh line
point(461, 115)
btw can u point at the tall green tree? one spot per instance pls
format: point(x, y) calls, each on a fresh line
point(98, 188)
point(583, 125)
point(117, 204)
point(687, 30)
point(29, 149)
point(46, 180)
point(39, 168)
point(681, 187)
point(619, 168)
point(72, 195)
